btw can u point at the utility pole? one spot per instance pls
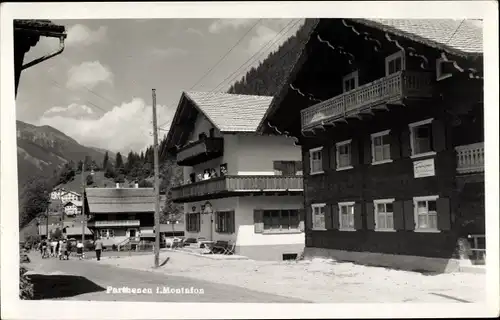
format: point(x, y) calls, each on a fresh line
point(157, 186)
point(83, 202)
point(47, 223)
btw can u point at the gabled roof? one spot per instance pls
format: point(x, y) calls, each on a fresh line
point(461, 37)
point(68, 191)
point(75, 202)
point(38, 25)
point(120, 200)
point(231, 112)
point(458, 37)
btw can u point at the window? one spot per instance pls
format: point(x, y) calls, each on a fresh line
point(346, 215)
point(343, 155)
point(287, 168)
point(281, 220)
point(421, 137)
point(381, 147)
point(316, 160)
point(223, 169)
point(350, 81)
point(441, 73)
point(384, 214)
point(193, 222)
point(224, 221)
point(425, 213)
point(107, 233)
point(318, 216)
point(394, 63)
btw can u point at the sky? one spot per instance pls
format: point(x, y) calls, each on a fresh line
point(99, 90)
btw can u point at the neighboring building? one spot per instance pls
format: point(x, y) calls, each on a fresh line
point(394, 152)
point(72, 208)
point(239, 186)
point(120, 215)
point(27, 33)
point(57, 193)
point(76, 233)
point(70, 196)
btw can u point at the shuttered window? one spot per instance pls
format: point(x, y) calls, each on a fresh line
point(281, 220)
point(384, 214)
point(343, 155)
point(426, 214)
point(318, 216)
point(421, 137)
point(346, 216)
point(381, 147)
point(193, 222)
point(224, 222)
point(316, 160)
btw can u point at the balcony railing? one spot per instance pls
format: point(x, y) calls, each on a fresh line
point(224, 186)
point(117, 223)
point(470, 158)
point(199, 151)
point(393, 88)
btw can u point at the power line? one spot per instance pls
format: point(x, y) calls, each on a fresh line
point(227, 53)
point(269, 44)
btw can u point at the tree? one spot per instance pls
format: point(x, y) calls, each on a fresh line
point(90, 180)
point(110, 172)
point(79, 166)
point(34, 199)
point(145, 184)
point(118, 161)
point(105, 161)
point(171, 176)
point(56, 234)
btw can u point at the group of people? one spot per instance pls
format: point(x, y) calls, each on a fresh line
point(59, 248)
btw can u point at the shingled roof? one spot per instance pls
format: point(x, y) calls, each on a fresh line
point(462, 37)
point(38, 25)
point(231, 112)
point(120, 200)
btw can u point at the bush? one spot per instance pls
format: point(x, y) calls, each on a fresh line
point(114, 247)
point(25, 285)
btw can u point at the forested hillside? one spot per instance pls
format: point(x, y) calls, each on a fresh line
point(269, 76)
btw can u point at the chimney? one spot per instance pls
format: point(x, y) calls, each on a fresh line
point(117, 185)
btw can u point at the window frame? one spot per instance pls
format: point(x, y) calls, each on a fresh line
point(372, 138)
point(311, 152)
point(342, 204)
point(281, 229)
point(412, 126)
point(392, 57)
point(321, 206)
point(353, 75)
point(415, 213)
point(337, 155)
point(226, 223)
point(196, 222)
point(375, 214)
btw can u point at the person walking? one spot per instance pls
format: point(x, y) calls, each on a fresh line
point(98, 248)
point(79, 250)
point(64, 250)
point(58, 249)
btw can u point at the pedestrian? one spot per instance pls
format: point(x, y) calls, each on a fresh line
point(43, 248)
point(64, 250)
point(98, 248)
point(53, 247)
point(68, 247)
point(79, 250)
point(58, 249)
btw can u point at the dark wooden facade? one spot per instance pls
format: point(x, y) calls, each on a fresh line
point(456, 106)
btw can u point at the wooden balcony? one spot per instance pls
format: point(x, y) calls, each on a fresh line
point(229, 186)
point(116, 223)
point(470, 158)
point(200, 151)
point(391, 89)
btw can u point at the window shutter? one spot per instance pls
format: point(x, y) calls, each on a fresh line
point(335, 217)
point(301, 219)
point(443, 214)
point(438, 136)
point(358, 216)
point(405, 143)
point(308, 218)
point(328, 217)
point(216, 222)
point(306, 162)
point(395, 144)
point(333, 157)
point(370, 216)
point(354, 152)
point(258, 222)
point(233, 222)
point(409, 215)
point(198, 226)
point(398, 215)
point(325, 157)
point(367, 150)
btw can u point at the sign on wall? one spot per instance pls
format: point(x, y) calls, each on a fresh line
point(424, 168)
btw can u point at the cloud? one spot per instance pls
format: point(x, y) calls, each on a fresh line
point(263, 36)
point(124, 128)
point(88, 74)
point(74, 110)
point(272, 33)
point(194, 31)
point(224, 24)
point(82, 35)
point(168, 52)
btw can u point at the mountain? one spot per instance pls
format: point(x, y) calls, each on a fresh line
point(41, 150)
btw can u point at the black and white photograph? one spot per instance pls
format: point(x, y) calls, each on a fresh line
point(313, 159)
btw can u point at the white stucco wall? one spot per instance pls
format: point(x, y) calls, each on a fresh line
point(244, 220)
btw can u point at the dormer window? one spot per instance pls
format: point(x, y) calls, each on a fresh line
point(394, 63)
point(350, 81)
